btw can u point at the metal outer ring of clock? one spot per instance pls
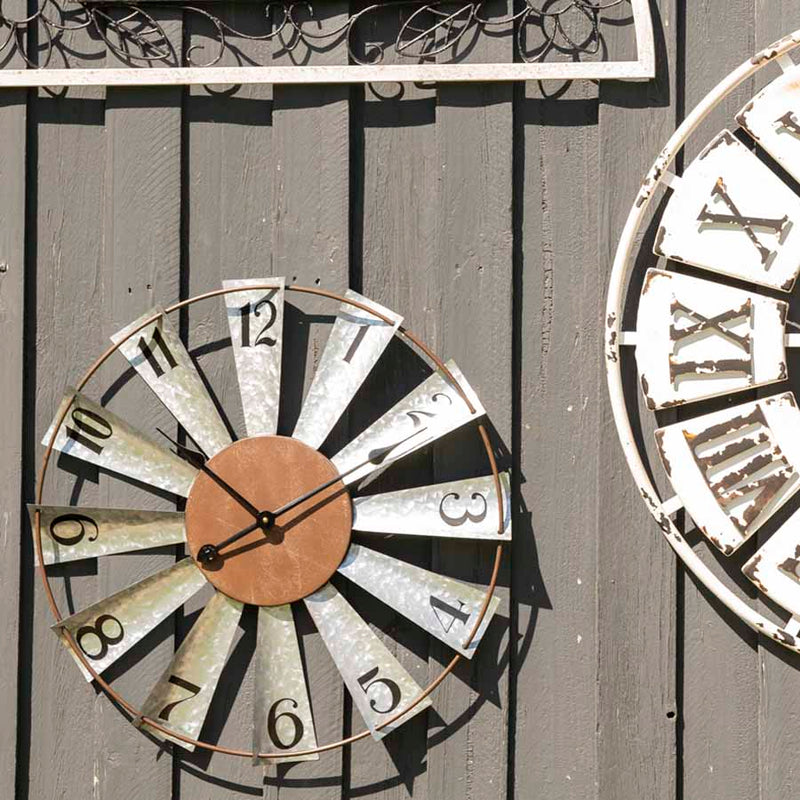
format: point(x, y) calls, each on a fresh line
point(711, 327)
point(340, 518)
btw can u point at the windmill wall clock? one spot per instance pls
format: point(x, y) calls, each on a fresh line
point(269, 521)
point(708, 329)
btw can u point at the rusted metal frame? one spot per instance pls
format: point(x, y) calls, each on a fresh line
point(617, 293)
point(359, 71)
point(114, 696)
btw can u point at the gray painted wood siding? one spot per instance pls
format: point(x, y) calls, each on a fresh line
point(488, 216)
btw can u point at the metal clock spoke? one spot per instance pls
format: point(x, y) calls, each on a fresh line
point(434, 409)
point(70, 533)
point(446, 608)
point(109, 628)
point(283, 722)
point(466, 509)
point(380, 687)
point(94, 434)
point(355, 345)
point(180, 699)
point(157, 353)
point(255, 318)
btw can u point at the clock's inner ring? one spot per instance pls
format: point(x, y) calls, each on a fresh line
point(295, 555)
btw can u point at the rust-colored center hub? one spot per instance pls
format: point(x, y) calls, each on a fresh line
point(303, 548)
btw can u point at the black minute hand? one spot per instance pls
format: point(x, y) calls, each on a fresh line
point(376, 457)
point(198, 461)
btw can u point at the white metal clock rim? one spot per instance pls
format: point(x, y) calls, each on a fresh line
point(620, 272)
point(643, 69)
point(127, 707)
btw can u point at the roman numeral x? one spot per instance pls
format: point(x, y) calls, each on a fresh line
point(745, 223)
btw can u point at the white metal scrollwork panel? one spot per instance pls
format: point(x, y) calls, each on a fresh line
point(772, 118)
point(731, 214)
point(698, 339)
point(734, 468)
point(775, 567)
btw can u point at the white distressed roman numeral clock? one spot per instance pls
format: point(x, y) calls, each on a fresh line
point(269, 520)
point(706, 325)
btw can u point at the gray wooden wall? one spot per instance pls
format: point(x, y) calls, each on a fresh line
point(488, 215)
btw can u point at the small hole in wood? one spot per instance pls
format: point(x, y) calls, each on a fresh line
point(670, 715)
point(317, 282)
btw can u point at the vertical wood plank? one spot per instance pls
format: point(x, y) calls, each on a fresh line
point(141, 269)
point(65, 333)
point(228, 233)
point(474, 277)
point(554, 554)
point(636, 617)
point(13, 529)
point(310, 246)
point(720, 731)
point(394, 175)
point(779, 676)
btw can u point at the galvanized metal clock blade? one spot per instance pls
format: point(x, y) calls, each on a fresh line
point(157, 353)
point(109, 628)
point(731, 214)
point(283, 721)
point(446, 608)
point(378, 683)
point(466, 509)
point(255, 318)
point(355, 345)
point(94, 434)
point(180, 699)
point(434, 409)
point(70, 533)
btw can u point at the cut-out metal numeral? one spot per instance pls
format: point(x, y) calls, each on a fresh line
point(440, 607)
point(82, 521)
point(192, 688)
point(417, 414)
point(369, 679)
point(467, 515)
point(147, 348)
point(98, 630)
point(83, 430)
point(254, 309)
point(272, 724)
point(357, 339)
